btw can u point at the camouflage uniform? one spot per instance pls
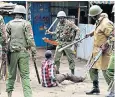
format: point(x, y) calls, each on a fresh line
point(65, 34)
point(110, 69)
point(3, 43)
point(21, 40)
point(2, 31)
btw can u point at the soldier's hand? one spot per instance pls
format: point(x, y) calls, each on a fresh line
point(34, 53)
point(104, 47)
point(87, 35)
point(34, 58)
point(48, 32)
point(78, 30)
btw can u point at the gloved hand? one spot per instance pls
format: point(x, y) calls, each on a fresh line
point(34, 53)
point(87, 35)
point(34, 58)
point(48, 32)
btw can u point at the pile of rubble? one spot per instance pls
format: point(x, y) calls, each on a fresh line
point(6, 8)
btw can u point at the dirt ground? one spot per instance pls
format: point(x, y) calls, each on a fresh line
point(67, 89)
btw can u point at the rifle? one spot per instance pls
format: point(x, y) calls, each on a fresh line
point(89, 66)
point(74, 42)
point(38, 77)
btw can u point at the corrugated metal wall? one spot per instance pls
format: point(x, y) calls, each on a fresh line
point(40, 14)
point(85, 47)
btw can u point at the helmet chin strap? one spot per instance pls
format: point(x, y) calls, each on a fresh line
point(95, 17)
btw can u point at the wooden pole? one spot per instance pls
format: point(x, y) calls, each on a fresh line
point(26, 10)
point(78, 14)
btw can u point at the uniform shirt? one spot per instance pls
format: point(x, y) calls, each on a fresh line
point(21, 35)
point(103, 30)
point(48, 73)
point(66, 32)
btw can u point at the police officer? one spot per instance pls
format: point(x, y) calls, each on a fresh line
point(110, 69)
point(65, 33)
point(101, 33)
point(21, 40)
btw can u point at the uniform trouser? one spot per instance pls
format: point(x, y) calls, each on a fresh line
point(110, 75)
point(61, 77)
point(20, 60)
point(69, 55)
point(110, 70)
point(94, 75)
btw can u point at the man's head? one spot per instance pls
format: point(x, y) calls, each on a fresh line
point(61, 16)
point(19, 10)
point(95, 12)
point(48, 54)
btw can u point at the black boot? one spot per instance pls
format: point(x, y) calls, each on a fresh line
point(72, 71)
point(95, 88)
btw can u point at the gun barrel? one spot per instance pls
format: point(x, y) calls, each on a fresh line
point(70, 44)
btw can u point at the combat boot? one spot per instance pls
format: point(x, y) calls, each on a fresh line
point(95, 89)
point(72, 71)
point(10, 94)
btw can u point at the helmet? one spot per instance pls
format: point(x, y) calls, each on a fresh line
point(19, 9)
point(104, 15)
point(95, 10)
point(61, 14)
point(113, 10)
point(48, 54)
